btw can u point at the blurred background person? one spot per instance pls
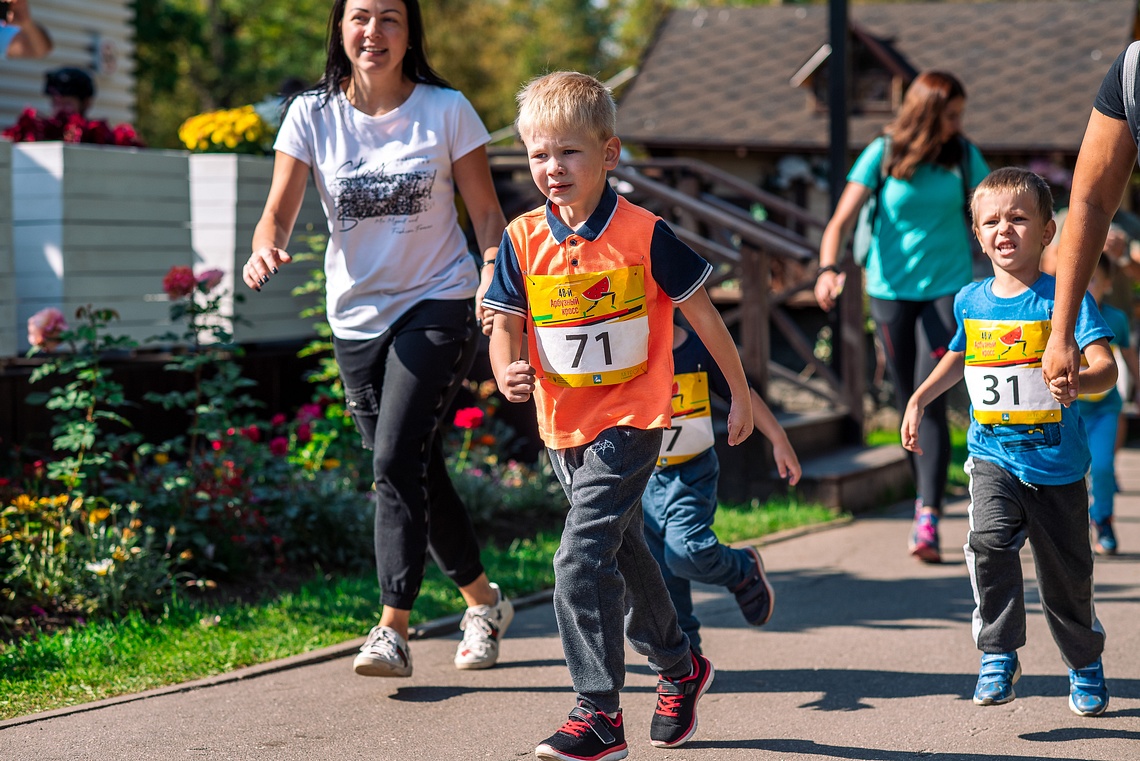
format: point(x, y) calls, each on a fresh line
point(20, 36)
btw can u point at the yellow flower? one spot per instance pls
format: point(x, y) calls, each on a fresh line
point(98, 515)
point(102, 568)
point(118, 554)
point(331, 463)
point(161, 458)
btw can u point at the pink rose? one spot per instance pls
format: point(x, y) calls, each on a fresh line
point(304, 433)
point(45, 327)
point(278, 419)
point(179, 282)
point(308, 412)
point(279, 446)
point(469, 417)
point(209, 279)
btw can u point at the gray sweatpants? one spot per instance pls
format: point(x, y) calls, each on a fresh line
point(1004, 512)
point(603, 568)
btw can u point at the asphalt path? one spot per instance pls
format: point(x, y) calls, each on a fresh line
point(868, 656)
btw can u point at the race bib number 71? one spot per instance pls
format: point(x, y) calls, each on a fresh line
point(591, 329)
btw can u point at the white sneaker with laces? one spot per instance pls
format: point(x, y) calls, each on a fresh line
point(483, 626)
point(384, 654)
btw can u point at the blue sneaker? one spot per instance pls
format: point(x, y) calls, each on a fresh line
point(996, 678)
point(1088, 694)
point(1105, 538)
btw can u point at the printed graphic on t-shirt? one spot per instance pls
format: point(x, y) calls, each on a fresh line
point(365, 193)
point(690, 429)
point(591, 328)
point(1006, 387)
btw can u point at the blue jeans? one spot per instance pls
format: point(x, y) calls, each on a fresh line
point(679, 505)
point(603, 570)
point(1101, 430)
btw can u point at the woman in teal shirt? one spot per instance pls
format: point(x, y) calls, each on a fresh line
point(919, 257)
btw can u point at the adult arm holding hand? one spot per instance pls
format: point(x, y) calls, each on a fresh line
point(1104, 165)
point(472, 176)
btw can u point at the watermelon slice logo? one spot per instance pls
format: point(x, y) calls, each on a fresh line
point(1012, 337)
point(599, 291)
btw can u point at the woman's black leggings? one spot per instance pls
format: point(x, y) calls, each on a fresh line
point(397, 387)
point(915, 335)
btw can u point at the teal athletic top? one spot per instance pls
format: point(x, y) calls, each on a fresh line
point(1110, 403)
point(919, 251)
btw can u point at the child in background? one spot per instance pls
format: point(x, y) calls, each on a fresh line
point(1028, 453)
point(1101, 415)
point(680, 500)
point(592, 279)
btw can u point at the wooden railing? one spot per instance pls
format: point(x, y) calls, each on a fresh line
point(708, 209)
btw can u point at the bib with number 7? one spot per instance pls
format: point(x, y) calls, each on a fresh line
point(690, 430)
point(591, 328)
point(1003, 372)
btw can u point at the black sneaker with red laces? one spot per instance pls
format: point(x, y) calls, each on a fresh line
point(675, 720)
point(587, 735)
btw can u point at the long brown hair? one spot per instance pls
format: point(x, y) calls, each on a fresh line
point(916, 133)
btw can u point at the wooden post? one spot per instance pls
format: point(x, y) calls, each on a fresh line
point(755, 338)
point(851, 346)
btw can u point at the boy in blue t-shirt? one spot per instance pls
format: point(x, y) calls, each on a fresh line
point(1028, 453)
point(1101, 415)
point(680, 500)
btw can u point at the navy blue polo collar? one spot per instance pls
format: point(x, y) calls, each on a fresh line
point(594, 226)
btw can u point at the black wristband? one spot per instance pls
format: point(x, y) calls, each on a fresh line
point(828, 268)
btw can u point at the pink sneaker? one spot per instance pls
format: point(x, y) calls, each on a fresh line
point(923, 542)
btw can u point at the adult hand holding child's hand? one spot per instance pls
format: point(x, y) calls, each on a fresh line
point(520, 381)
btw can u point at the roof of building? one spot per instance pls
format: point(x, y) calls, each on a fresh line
point(721, 77)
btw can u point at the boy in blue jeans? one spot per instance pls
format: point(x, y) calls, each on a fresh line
point(1028, 453)
point(593, 280)
point(1101, 414)
point(680, 500)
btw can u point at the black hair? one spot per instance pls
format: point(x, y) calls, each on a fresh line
point(69, 82)
point(338, 68)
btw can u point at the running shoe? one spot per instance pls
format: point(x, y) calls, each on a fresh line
point(587, 735)
point(1105, 538)
point(1088, 694)
point(385, 653)
point(996, 678)
point(483, 626)
point(923, 542)
point(755, 595)
point(675, 720)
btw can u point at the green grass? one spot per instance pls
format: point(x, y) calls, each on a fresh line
point(956, 476)
point(192, 640)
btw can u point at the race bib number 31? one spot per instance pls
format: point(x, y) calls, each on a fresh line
point(1003, 373)
point(591, 329)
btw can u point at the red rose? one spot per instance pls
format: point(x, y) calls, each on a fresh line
point(179, 282)
point(279, 446)
point(469, 417)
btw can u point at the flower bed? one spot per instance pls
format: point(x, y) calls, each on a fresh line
point(7, 266)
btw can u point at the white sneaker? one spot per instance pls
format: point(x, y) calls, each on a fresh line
point(483, 626)
point(384, 654)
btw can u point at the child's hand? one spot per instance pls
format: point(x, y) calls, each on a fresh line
point(787, 464)
point(519, 378)
point(1061, 391)
point(909, 430)
point(739, 421)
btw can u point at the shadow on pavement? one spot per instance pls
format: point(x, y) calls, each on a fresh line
point(792, 748)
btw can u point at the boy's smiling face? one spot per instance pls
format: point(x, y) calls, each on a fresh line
point(1012, 232)
point(570, 169)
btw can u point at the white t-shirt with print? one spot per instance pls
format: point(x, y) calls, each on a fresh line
point(386, 187)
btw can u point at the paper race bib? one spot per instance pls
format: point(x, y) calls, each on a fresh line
point(1003, 372)
point(690, 432)
point(591, 329)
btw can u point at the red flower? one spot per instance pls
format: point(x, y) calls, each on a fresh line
point(304, 433)
point(308, 412)
point(279, 446)
point(278, 419)
point(469, 417)
point(179, 282)
point(253, 433)
point(216, 446)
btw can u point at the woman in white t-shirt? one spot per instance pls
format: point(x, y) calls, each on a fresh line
point(388, 142)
